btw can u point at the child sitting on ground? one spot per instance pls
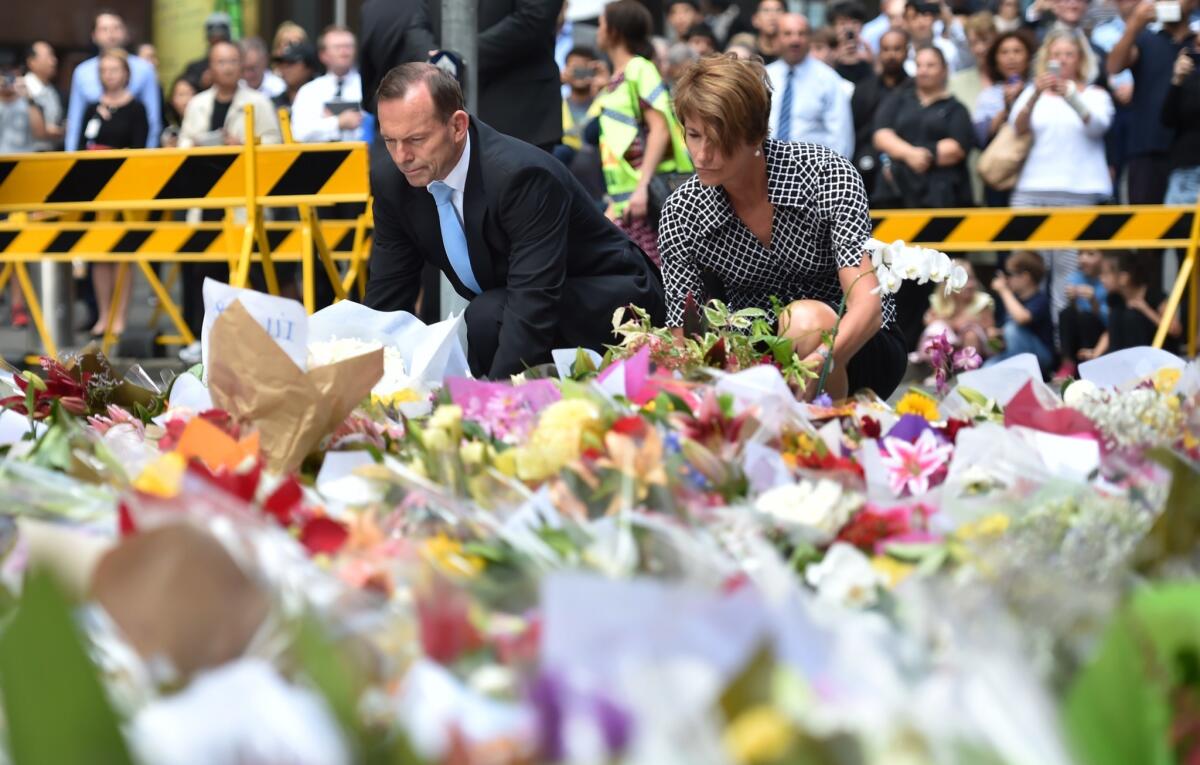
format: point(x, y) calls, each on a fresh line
point(1134, 309)
point(967, 317)
point(1029, 328)
point(1085, 318)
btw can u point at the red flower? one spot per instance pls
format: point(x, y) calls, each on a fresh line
point(284, 501)
point(60, 385)
point(445, 625)
point(323, 535)
point(870, 428)
point(952, 428)
point(630, 426)
point(243, 485)
point(828, 461)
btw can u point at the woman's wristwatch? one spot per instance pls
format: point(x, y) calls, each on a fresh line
point(828, 354)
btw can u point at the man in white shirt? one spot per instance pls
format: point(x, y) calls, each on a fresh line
point(810, 101)
point(108, 31)
point(255, 74)
point(920, 21)
point(41, 65)
point(329, 107)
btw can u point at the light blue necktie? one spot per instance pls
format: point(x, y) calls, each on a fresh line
point(454, 239)
point(783, 131)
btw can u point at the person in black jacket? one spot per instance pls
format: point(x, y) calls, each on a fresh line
point(393, 32)
point(508, 225)
point(519, 89)
point(1181, 111)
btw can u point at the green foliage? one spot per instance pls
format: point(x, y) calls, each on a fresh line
point(55, 706)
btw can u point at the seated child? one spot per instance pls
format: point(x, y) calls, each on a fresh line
point(966, 316)
point(1029, 327)
point(1134, 309)
point(1085, 318)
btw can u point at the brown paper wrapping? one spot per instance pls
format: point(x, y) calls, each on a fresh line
point(175, 592)
point(252, 378)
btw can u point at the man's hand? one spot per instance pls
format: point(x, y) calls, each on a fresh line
point(1086, 354)
point(1123, 94)
point(1085, 291)
point(351, 119)
point(1144, 14)
point(1000, 283)
point(919, 159)
point(1071, 291)
point(1184, 66)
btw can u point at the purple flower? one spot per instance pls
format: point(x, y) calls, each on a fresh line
point(823, 400)
point(967, 359)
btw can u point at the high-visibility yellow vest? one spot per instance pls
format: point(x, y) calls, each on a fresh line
point(620, 123)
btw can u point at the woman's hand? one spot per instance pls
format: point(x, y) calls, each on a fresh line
point(639, 204)
point(1012, 92)
point(1184, 66)
point(949, 152)
point(1046, 81)
point(919, 159)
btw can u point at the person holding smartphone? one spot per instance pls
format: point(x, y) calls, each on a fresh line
point(329, 107)
point(1150, 54)
point(1181, 111)
point(852, 58)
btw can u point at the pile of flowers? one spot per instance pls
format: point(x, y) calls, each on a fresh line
point(640, 562)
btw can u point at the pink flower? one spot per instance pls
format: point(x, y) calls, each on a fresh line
point(967, 359)
point(912, 466)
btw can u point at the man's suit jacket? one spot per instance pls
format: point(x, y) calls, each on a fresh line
point(394, 32)
point(519, 85)
point(531, 230)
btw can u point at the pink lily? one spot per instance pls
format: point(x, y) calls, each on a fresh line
point(912, 466)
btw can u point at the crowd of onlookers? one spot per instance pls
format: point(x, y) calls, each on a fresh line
point(937, 104)
point(950, 105)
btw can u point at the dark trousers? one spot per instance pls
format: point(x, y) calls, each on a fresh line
point(912, 301)
point(484, 315)
point(1078, 330)
point(1148, 177)
point(880, 364)
point(322, 288)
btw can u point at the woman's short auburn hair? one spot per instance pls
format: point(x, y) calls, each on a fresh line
point(729, 97)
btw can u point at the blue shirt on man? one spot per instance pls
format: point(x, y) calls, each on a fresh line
point(86, 89)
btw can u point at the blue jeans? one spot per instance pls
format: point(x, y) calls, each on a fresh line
point(1183, 187)
point(1019, 339)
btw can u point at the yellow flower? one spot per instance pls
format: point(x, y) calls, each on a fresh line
point(162, 477)
point(473, 453)
point(446, 417)
point(988, 526)
point(1166, 379)
point(918, 403)
point(447, 554)
point(396, 398)
point(558, 438)
point(760, 734)
point(892, 570)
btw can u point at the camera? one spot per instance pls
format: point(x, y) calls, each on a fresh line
point(583, 72)
point(848, 35)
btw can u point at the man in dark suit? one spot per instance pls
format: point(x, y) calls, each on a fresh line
point(392, 32)
point(508, 225)
point(519, 83)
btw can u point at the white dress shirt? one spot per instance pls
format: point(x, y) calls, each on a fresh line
point(309, 121)
point(820, 104)
point(272, 85)
point(457, 180)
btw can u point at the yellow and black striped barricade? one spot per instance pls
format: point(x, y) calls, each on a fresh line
point(126, 182)
point(144, 243)
point(1059, 228)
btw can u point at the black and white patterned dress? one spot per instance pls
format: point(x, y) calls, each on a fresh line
point(821, 224)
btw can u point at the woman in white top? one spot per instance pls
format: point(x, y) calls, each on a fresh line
point(1066, 166)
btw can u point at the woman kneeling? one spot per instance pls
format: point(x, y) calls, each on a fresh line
point(767, 219)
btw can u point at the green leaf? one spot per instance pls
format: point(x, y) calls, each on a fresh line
point(752, 686)
point(55, 707)
point(1119, 709)
point(1177, 531)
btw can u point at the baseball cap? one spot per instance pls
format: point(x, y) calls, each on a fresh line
point(218, 19)
point(298, 52)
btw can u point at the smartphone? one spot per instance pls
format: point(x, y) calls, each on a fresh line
point(337, 107)
point(848, 35)
point(1014, 79)
point(1168, 11)
point(1054, 67)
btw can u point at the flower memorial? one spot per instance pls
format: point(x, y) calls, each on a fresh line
point(661, 557)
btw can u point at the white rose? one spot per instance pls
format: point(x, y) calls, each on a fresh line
point(815, 509)
point(845, 577)
point(1080, 392)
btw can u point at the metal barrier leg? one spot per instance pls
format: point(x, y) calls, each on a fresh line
point(1181, 282)
point(331, 272)
point(5, 275)
point(307, 269)
point(1193, 316)
point(356, 253)
point(114, 307)
point(172, 277)
point(34, 306)
point(264, 248)
point(167, 305)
